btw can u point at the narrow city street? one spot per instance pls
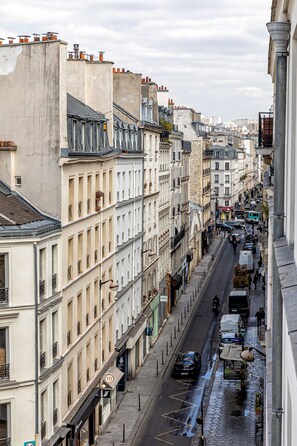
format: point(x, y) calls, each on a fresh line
point(172, 416)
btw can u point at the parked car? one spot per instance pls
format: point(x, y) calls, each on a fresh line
point(239, 224)
point(235, 236)
point(187, 364)
point(250, 246)
point(224, 227)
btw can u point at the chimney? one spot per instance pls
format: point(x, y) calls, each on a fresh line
point(101, 56)
point(82, 54)
point(52, 36)
point(10, 40)
point(70, 55)
point(118, 70)
point(146, 79)
point(26, 39)
point(114, 69)
point(21, 39)
point(123, 70)
point(1, 40)
point(76, 50)
point(91, 57)
point(36, 37)
point(44, 37)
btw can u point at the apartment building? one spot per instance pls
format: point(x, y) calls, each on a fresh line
point(224, 177)
point(66, 167)
point(278, 146)
point(27, 281)
point(129, 321)
point(189, 122)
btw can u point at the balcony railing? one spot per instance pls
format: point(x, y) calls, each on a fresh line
point(42, 360)
point(4, 371)
point(55, 416)
point(55, 349)
point(265, 129)
point(54, 282)
point(4, 296)
point(5, 442)
point(41, 288)
point(43, 429)
point(178, 237)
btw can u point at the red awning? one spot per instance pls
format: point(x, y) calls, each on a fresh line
point(226, 208)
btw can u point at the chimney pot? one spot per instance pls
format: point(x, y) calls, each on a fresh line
point(114, 69)
point(36, 37)
point(82, 54)
point(123, 70)
point(101, 56)
point(44, 37)
point(1, 40)
point(91, 57)
point(150, 79)
point(118, 70)
point(146, 79)
point(10, 39)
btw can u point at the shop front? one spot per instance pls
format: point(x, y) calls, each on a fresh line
point(225, 212)
point(85, 423)
point(137, 346)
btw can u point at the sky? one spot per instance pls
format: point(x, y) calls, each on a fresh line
point(210, 54)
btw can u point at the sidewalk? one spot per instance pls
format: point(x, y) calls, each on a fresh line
point(125, 422)
point(231, 419)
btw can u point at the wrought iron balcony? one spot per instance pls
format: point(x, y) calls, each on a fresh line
point(54, 282)
point(41, 288)
point(42, 360)
point(4, 372)
point(4, 296)
point(55, 416)
point(43, 429)
point(55, 349)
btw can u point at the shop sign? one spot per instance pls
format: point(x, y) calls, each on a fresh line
point(163, 298)
point(149, 331)
point(30, 443)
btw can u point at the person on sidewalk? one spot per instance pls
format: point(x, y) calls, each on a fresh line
point(255, 280)
point(260, 315)
point(250, 281)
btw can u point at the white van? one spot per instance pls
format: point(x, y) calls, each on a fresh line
point(246, 258)
point(231, 323)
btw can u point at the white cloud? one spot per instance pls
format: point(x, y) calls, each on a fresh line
point(208, 53)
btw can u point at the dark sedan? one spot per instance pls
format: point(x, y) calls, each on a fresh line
point(187, 364)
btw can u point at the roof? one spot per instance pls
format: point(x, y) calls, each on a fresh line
point(79, 110)
point(18, 217)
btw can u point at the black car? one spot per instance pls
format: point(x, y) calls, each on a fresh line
point(187, 364)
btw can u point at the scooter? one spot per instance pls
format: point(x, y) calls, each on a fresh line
point(215, 307)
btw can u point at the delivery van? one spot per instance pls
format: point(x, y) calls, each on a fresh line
point(232, 323)
point(246, 258)
point(229, 338)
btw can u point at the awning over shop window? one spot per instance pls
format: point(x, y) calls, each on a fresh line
point(58, 436)
point(112, 377)
point(86, 408)
point(137, 331)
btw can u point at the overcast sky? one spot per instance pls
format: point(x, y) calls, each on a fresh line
point(210, 54)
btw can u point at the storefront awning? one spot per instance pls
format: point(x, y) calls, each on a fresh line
point(176, 281)
point(112, 377)
point(136, 331)
point(58, 436)
point(86, 408)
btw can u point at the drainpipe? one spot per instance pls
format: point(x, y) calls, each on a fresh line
point(279, 33)
point(36, 345)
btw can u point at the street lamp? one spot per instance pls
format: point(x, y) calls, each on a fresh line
point(150, 252)
point(248, 356)
point(113, 285)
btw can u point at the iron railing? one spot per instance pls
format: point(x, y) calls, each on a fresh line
point(265, 129)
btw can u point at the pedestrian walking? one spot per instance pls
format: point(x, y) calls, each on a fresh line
point(260, 261)
point(260, 315)
point(255, 281)
point(250, 281)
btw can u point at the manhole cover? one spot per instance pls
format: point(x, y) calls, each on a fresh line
point(236, 413)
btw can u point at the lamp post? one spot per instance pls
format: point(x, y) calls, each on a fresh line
point(113, 285)
point(248, 356)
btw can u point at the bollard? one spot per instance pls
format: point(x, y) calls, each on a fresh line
point(162, 358)
point(181, 319)
point(139, 408)
point(174, 332)
point(170, 339)
point(124, 439)
point(185, 312)
point(177, 324)
point(166, 348)
point(157, 368)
